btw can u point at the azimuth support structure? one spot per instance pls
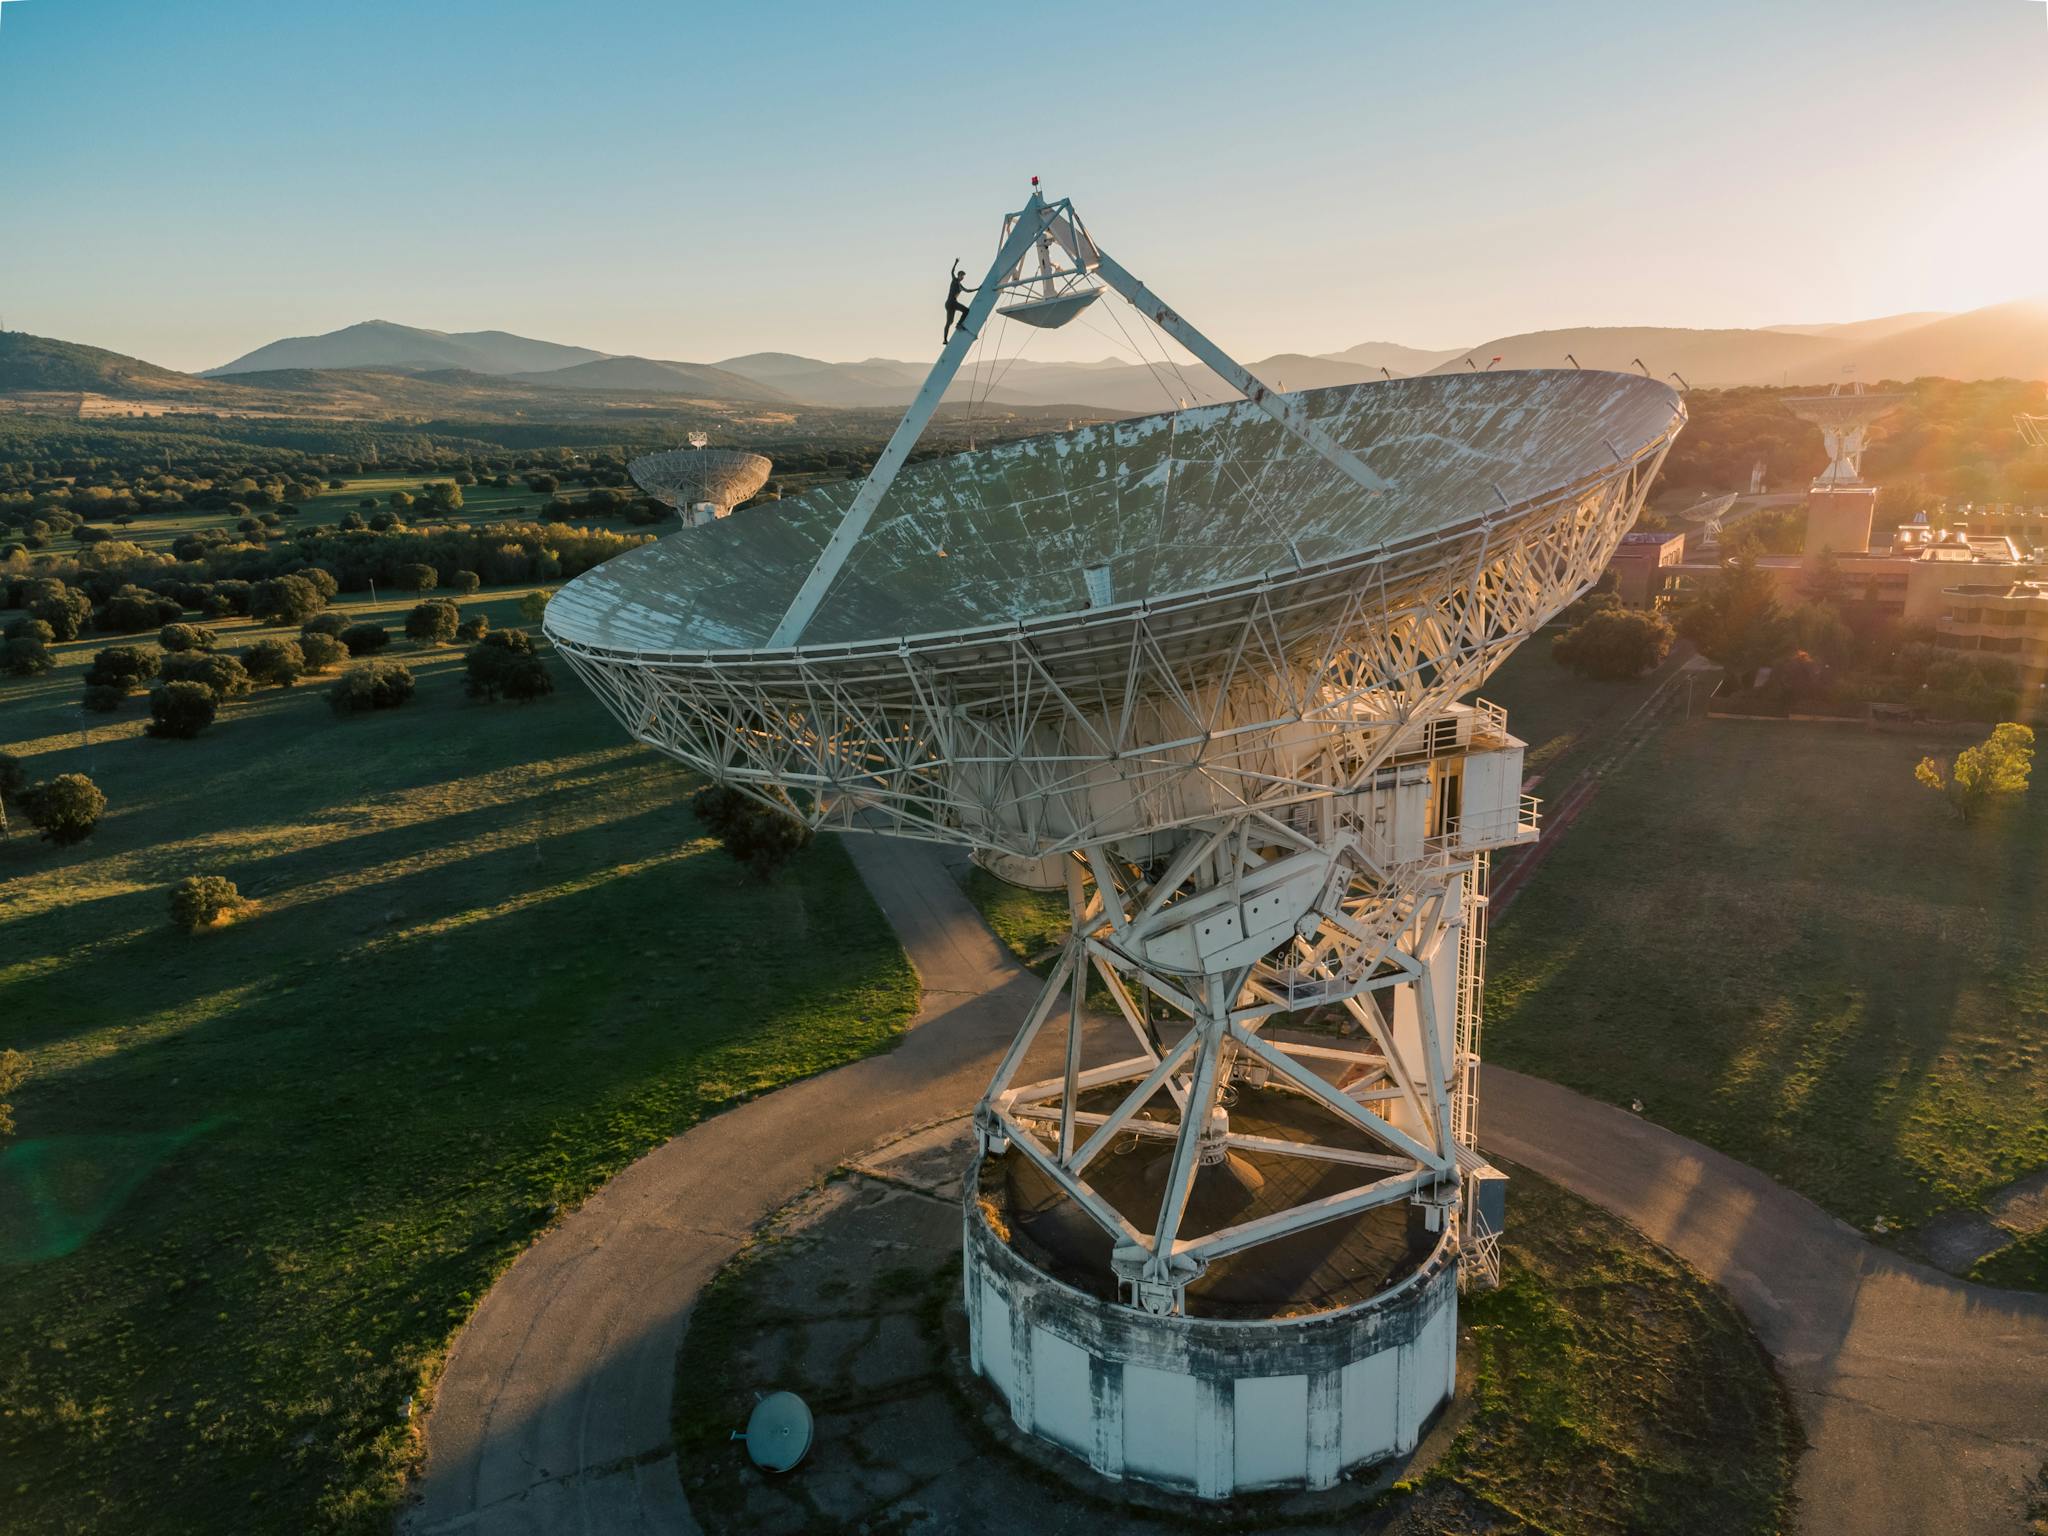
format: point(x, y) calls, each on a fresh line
point(1366, 908)
point(1251, 921)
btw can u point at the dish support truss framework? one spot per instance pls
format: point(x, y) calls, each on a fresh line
point(1222, 757)
point(1399, 948)
point(1050, 736)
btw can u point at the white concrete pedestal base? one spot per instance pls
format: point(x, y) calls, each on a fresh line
point(1205, 1406)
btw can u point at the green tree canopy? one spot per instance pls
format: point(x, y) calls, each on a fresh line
point(1614, 644)
point(1737, 623)
point(1998, 766)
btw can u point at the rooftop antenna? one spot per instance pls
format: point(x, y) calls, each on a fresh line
point(1470, 364)
point(1683, 387)
point(1642, 365)
point(1572, 360)
point(1385, 374)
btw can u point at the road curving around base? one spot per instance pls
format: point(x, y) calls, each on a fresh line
point(1924, 1399)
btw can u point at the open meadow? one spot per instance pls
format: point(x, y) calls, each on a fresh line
point(262, 1173)
point(1782, 945)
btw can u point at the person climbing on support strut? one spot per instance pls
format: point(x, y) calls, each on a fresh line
point(954, 308)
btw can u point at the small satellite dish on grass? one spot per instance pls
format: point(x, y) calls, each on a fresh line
point(778, 1432)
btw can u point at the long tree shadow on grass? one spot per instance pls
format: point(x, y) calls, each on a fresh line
point(1750, 933)
point(393, 1135)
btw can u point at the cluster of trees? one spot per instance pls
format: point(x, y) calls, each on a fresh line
point(373, 685)
point(1946, 440)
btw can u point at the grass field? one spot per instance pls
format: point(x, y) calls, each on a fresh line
point(1785, 947)
point(263, 1173)
point(1562, 716)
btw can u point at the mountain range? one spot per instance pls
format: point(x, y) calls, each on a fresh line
point(380, 369)
point(2006, 340)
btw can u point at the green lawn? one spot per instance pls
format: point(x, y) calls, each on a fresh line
point(1785, 947)
point(1613, 1391)
point(1562, 716)
point(1029, 923)
point(262, 1174)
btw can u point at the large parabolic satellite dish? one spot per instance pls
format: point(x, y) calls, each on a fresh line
point(1203, 671)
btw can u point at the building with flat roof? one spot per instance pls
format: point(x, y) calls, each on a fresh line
point(2008, 619)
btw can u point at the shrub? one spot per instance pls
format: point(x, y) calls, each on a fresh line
point(103, 698)
point(178, 711)
point(126, 667)
point(320, 651)
point(374, 685)
point(1614, 643)
point(224, 676)
point(433, 622)
point(286, 600)
point(64, 809)
point(418, 578)
point(186, 637)
point(329, 623)
point(473, 628)
point(466, 582)
point(200, 901)
point(760, 839)
point(362, 639)
point(13, 1073)
point(281, 662)
point(533, 606)
point(13, 777)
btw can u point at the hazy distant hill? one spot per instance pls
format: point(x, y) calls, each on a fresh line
point(648, 375)
point(41, 363)
point(1392, 356)
point(1107, 384)
point(1866, 330)
point(2003, 341)
point(1708, 359)
point(380, 344)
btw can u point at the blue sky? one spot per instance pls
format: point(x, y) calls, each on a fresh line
point(186, 179)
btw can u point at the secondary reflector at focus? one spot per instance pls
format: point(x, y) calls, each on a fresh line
point(1050, 314)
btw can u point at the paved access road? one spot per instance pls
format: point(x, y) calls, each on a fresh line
point(1925, 1399)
